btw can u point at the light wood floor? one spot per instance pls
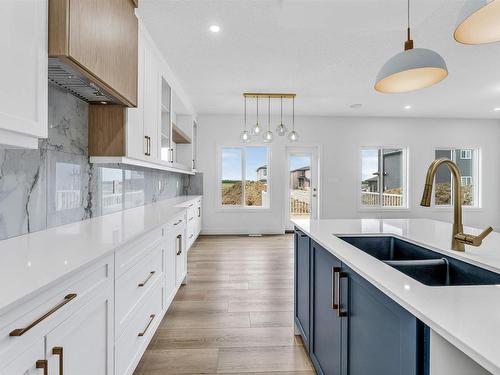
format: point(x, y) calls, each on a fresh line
point(235, 315)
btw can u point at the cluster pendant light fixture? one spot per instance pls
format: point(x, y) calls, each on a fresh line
point(412, 69)
point(268, 135)
point(478, 22)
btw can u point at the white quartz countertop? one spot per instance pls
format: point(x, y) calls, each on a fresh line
point(34, 261)
point(467, 316)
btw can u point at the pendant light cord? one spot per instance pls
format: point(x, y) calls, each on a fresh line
point(269, 114)
point(293, 114)
point(281, 111)
point(409, 42)
point(257, 110)
point(245, 113)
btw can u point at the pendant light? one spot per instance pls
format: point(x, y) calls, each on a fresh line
point(268, 136)
point(478, 22)
point(245, 135)
point(256, 130)
point(412, 69)
point(293, 136)
point(281, 128)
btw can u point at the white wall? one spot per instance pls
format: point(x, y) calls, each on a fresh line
point(340, 139)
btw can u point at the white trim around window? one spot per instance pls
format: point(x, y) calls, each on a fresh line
point(241, 208)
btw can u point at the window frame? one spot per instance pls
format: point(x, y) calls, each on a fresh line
point(242, 208)
point(468, 154)
point(476, 176)
point(406, 167)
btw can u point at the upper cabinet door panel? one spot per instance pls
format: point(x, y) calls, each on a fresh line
point(103, 39)
point(23, 67)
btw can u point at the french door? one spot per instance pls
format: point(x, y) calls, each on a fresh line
point(302, 184)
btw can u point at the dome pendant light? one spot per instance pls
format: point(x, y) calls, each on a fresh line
point(268, 136)
point(281, 128)
point(412, 69)
point(256, 130)
point(293, 136)
point(478, 22)
point(245, 135)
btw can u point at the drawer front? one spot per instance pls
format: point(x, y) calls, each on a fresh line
point(138, 333)
point(176, 224)
point(130, 254)
point(190, 233)
point(192, 212)
point(134, 285)
point(48, 309)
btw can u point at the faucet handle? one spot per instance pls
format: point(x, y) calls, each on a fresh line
point(470, 239)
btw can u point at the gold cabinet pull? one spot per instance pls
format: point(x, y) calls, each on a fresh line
point(147, 279)
point(179, 242)
point(199, 211)
point(335, 304)
point(59, 351)
point(44, 365)
point(178, 222)
point(340, 275)
point(151, 318)
point(22, 331)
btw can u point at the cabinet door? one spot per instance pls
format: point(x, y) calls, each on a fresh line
point(23, 68)
point(170, 269)
point(302, 284)
point(136, 143)
point(152, 111)
point(181, 259)
point(326, 326)
point(29, 362)
point(381, 337)
point(82, 344)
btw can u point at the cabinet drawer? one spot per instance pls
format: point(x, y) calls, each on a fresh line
point(48, 309)
point(135, 338)
point(132, 253)
point(179, 222)
point(134, 285)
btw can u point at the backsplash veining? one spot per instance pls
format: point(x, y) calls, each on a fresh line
point(56, 184)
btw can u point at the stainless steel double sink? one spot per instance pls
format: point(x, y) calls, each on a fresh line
point(422, 264)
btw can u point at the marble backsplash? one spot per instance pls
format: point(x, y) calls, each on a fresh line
point(56, 184)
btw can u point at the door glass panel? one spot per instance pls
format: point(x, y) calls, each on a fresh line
point(370, 177)
point(166, 92)
point(299, 166)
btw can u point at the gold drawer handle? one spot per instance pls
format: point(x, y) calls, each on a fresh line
point(180, 221)
point(59, 351)
point(43, 364)
point(22, 331)
point(151, 318)
point(147, 279)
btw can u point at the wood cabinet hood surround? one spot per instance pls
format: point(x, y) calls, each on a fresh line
point(97, 39)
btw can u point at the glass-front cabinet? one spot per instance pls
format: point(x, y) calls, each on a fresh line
point(166, 122)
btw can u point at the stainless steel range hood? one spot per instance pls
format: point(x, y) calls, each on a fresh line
point(76, 83)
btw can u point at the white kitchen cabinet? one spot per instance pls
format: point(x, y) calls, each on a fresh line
point(30, 362)
point(83, 343)
point(24, 74)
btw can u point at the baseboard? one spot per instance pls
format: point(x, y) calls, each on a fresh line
point(238, 232)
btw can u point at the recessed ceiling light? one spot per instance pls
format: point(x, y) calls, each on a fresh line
point(356, 105)
point(214, 28)
point(407, 107)
point(497, 109)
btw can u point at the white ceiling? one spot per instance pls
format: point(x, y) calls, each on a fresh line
point(326, 51)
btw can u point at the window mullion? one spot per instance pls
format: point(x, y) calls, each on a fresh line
point(243, 177)
point(381, 176)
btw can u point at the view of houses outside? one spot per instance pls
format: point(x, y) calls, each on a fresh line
point(300, 186)
point(254, 173)
point(443, 189)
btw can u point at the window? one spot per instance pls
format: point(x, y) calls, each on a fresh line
point(244, 177)
point(383, 177)
point(467, 161)
point(465, 154)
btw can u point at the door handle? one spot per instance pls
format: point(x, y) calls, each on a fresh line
point(59, 351)
point(199, 211)
point(151, 318)
point(179, 243)
point(44, 365)
point(147, 279)
point(338, 276)
point(335, 271)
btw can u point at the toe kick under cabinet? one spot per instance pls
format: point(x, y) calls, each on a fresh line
point(348, 326)
point(98, 320)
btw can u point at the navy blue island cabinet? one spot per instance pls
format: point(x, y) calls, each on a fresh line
point(349, 327)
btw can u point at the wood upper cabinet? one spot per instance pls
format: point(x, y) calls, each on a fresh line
point(99, 37)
